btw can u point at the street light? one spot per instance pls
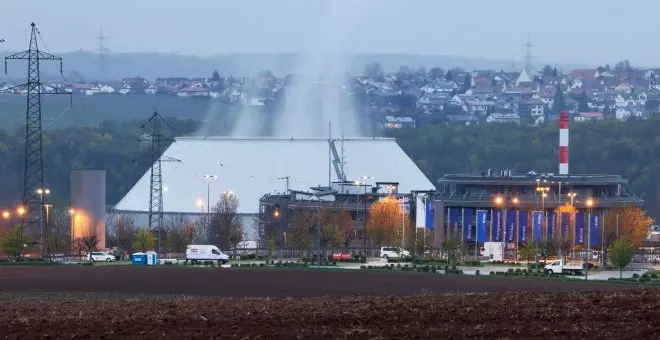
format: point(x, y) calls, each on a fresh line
point(501, 201)
point(20, 211)
point(72, 217)
point(572, 196)
point(589, 202)
point(318, 230)
point(42, 192)
point(208, 191)
point(200, 204)
point(6, 215)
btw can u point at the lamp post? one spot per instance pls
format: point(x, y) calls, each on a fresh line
point(544, 194)
point(500, 200)
point(589, 203)
point(42, 193)
point(318, 231)
point(72, 217)
point(363, 181)
point(208, 191)
point(47, 208)
point(572, 196)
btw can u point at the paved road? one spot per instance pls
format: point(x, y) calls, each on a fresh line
point(231, 282)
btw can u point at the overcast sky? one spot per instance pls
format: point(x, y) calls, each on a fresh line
point(567, 31)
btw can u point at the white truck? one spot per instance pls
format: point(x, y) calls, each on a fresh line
point(559, 267)
point(200, 253)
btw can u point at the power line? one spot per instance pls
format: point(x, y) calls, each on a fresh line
point(33, 175)
point(156, 126)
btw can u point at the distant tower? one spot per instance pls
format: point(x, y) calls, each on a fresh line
point(563, 142)
point(528, 53)
point(102, 51)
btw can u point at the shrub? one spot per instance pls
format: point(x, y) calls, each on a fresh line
point(645, 276)
point(510, 270)
point(476, 272)
point(262, 265)
point(635, 276)
point(363, 267)
point(492, 273)
point(654, 275)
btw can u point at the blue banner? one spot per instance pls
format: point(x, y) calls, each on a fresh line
point(429, 213)
point(468, 224)
point(594, 230)
point(522, 225)
point(579, 228)
point(537, 226)
point(550, 226)
point(454, 220)
point(482, 225)
point(565, 219)
point(496, 225)
point(510, 225)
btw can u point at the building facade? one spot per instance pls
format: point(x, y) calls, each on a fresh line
point(515, 208)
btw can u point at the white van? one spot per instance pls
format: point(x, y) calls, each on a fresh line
point(195, 253)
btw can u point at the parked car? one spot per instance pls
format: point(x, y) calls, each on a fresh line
point(101, 257)
point(195, 253)
point(393, 253)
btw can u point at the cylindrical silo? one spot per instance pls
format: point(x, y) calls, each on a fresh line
point(88, 206)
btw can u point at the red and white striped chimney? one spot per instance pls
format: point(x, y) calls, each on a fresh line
point(563, 142)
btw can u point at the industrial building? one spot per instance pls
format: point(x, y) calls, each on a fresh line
point(521, 206)
point(199, 170)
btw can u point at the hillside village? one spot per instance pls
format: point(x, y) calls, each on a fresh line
point(409, 98)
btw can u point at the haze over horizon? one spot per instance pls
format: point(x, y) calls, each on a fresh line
point(472, 28)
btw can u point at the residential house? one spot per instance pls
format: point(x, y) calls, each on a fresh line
point(624, 88)
point(479, 107)
point(432, 102)
point(523, 80)
point(631, 99)
point(503, 118)
point(481, 93)
point(625, 113)
point(588, 116)
point(440, 86)
point(392, 122)
point(83, 88)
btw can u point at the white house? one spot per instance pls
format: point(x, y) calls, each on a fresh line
point(503, 118)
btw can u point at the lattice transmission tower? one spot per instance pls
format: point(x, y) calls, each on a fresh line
point(33, 173)
point(155, 129)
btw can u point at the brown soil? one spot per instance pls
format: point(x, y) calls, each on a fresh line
point(545, 309)
point(229, 282)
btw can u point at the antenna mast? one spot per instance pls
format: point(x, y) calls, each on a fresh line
point(33, 174)
point(528, 53)
point(156, 124)
point(102, 51)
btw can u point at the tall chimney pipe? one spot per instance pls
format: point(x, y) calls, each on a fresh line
point(563, 142)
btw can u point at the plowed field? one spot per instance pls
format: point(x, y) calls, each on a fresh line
point(81, 305)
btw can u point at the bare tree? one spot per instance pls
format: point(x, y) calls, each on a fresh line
point(57, 234)
point(90, 240)
point(226, 224)
point(122, 233)
point(179, 234)
point(201, 231)
point(301, 234)
point(267, 231)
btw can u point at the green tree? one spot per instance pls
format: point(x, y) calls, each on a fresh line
point(583, 102)
point(547, 71)
point(621, 253)
point(215, 77)
point(453, 249)
point(436, 72)
point(528, 251)
point(301, 233)
point(144, 240)
point(623, 66)
point(449, 76)
point(14, 242)
point(545, 249)
point(468, 82)
point(558, 103)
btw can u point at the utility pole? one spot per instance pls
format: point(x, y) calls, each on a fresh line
point(287, 178)
point(33, 171)
point(156, 124)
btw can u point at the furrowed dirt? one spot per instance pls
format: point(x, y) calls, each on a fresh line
point(593, 315)
point(148, 303)
point(229, 282)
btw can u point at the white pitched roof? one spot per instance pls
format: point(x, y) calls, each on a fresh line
point(250, 168)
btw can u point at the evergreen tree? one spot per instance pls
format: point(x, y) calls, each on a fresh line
point(215, 77)
point(558, 104)
point(554, 72)
point(547, 70)
point(583, 102)
point(436, 72)
point(468, 82)
point(448, 76)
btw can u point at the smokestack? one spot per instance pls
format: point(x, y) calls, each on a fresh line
point(563, 142)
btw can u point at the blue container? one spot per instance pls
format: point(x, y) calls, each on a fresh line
point(139, 259)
